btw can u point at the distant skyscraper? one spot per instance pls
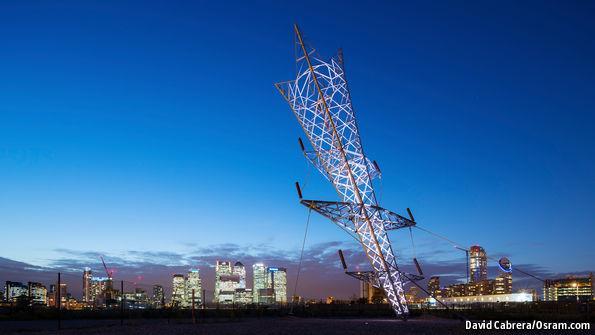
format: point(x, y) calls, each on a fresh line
point(226, 282)
point(277, 280)
point(259, 274)
point(87, 275)
point(478, 264)
point(15, 290)
point(193, 282)
point(240, 271)
point(503, 284)
point(101, 291)
point(178, 290)
point(37, 293)
point(158, 298)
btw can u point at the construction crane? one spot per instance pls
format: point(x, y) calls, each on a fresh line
point(320, 99)
point(466, 259)
point(108, 288)
point(107, 272)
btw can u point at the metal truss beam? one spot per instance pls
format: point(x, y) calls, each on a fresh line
point(372, 278)
point(345, 214)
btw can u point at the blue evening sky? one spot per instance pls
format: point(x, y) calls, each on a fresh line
point(155, 126)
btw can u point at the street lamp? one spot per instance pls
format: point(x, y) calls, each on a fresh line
point(575, 285)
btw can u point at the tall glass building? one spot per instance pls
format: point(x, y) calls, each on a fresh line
point(158, 298)
point(14, 290)
point(178, 291)
point(87, 275)
point(37, 293)
point(478, 264)
point(240, 271)
point(225, 282)
point(277, 280)
point(259, 275)
point(193, 282)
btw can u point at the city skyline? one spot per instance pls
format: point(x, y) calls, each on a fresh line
point(344, 287)
point(231, 289)
point(165, 152)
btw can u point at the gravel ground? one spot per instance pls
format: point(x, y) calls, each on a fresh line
point(264, 326)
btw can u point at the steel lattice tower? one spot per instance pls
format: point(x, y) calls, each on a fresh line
point(320, 99)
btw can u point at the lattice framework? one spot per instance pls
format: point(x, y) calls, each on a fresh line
point(320, 99)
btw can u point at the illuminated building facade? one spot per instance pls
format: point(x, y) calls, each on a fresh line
point(277, 280)
point(37, 293)
point(266, 296)
point(15, 290)
point(571, 289)
point(87, 276)
point(434, 286)
point(193, 283)
point(136, 300)
point(259, 274)
point(478, 264)
point(503, 283)
point(178, 295)
point(486, 299)
point(226, 282)
point(101, 291)
point(240, 271)
point(158, 298)
point(243, 296)
point(483, 287)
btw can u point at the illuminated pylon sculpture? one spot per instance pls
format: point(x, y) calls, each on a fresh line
point(320, 99)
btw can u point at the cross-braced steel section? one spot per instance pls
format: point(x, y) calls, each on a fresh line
point(320, 99)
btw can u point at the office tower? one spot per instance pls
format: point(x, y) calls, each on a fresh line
point(158, 298)
point(101, 291)
point(178, 290)
point(193, 282)
point(434, 286)
point(37, 293)
point(478, 264)
point(277, 280)
point(225, 282)
point(259, 275)
point(503, 283)
point(87, 275)
point(570, 289)
point(240, 271)
point(15, 290)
